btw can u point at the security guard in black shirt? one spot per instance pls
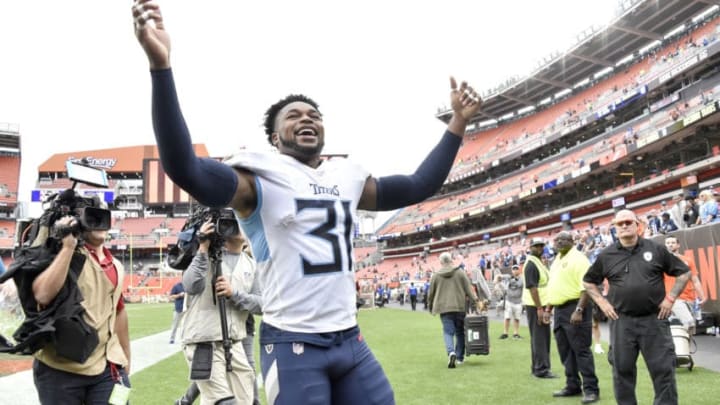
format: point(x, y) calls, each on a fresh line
point(638, 308)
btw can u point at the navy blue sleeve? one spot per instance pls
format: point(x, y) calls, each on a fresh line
point(210, 182)
point(400, 191)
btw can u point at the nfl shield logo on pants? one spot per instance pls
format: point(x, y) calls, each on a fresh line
point(298, 348)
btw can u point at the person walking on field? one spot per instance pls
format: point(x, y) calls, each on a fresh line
point(449, 288)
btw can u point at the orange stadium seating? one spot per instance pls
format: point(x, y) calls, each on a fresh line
point(605, 151)
point(140, 227)
point(484, 147)
point(619, 129)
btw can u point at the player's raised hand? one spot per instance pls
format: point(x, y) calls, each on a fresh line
point(464, 100)
point(150, 32)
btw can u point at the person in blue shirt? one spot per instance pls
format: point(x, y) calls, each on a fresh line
point(708, 208)
point(412, 292)
point(2, 267)
point(177, 294)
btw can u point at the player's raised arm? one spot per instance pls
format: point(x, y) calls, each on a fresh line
point(392, 192)
point(210, 182)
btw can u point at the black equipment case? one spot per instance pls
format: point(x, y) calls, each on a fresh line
point(476, 335)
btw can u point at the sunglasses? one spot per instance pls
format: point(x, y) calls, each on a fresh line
point(625, 223)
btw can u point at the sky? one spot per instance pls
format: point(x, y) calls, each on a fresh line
point(74, 78)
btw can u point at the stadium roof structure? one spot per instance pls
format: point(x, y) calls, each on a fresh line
point(640, 25)
point(116, 160)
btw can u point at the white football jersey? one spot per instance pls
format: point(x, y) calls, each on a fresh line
point(301, 235)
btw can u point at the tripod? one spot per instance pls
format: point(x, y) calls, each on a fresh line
point(215, 255)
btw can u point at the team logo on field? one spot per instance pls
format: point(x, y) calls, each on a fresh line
point(298, 348)
point(268, 349)
point(647, 256)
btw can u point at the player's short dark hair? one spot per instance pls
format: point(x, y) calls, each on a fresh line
point(274, 109)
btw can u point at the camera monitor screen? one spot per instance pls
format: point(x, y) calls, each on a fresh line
point(86, 174)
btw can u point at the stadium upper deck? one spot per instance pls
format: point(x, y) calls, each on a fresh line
point(599, 52)
point(611, 120)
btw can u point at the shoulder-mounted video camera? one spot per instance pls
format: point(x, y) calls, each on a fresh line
point(181, 254)
point(90, 212)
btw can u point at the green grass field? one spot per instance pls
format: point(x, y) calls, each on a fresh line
point(409, 347)
point(148, 319)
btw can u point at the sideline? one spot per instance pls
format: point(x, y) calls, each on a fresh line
point(146, 351)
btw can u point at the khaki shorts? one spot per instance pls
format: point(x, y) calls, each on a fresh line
point(513, 311)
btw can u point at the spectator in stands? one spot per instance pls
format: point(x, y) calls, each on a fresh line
point(202, 332)
point(676, 211)
point(691, 213)
point(667, 224)
point(177, 295)
point(62, 381)
point(682, 308)
point(708, 208)
point(638, 307)
point(589, 243)
point(534, 298)
point(606, 239)
point(260, 188)
point(449, 288)
point(572, 320)
point(513, 303)
point(653, 223)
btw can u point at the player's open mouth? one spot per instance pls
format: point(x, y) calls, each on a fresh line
point(306, 131)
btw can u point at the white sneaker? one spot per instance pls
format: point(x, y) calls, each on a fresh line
point(458, 362)
point(598, 349)
point(451, 359)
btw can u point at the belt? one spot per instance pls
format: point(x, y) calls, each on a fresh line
point(568, 303)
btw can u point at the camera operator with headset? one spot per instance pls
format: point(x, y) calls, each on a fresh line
point(104, 375)
point(220, 381)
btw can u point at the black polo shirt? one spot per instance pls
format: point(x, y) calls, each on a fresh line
point(532, 275)
point(635, 276)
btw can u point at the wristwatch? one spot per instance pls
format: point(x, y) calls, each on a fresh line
point(578, 309)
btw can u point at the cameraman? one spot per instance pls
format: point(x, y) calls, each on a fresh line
point(202, 323)
point(62, 381)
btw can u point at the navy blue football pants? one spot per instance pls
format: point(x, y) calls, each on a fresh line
point(341, 369)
